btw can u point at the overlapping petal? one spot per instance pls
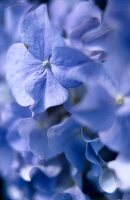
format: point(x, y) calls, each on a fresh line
point(69, 65)
point(18, 68)
point(53, 94)
point(96, 107)
point(39, 34)
point(60, 135)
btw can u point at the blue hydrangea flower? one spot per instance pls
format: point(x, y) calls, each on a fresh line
point(73, 94)
point(39, 71)
point(109, 99)
point(116, 111)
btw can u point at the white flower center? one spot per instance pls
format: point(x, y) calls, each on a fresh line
point(120, 100)
point(46, 64)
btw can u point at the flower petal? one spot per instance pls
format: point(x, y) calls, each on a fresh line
point(53, 94)
point(114, 136)
point(65, 59)
point(60, 135)
point(39, 34)
point(96, 107)
point(25, 75)
point(75, 152)
point(84, 17)
point(39, 144)
point(18, 69)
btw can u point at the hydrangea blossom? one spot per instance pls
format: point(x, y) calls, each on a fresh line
point(64, 100)
point(42, 65)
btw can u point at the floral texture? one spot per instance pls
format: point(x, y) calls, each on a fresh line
point(64, 100)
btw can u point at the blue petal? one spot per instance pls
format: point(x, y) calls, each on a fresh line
point(39, 34)
point(85, 73)
point(15, 141)
point(114, 136)
point(60, 135)
point(18, 69)
point(63, 60)
point(92, 154)
point(98, 37)
point(75, 152)
point(30, 130)
point(96, 107)
point(53, 94)
point(86, 26)
point(84, 17)
point(39, 144)
point(12, 112)
point(58, 18)
point(65, 57)
point(26, 126)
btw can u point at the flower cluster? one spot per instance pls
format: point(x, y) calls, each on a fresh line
point(64, 100)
